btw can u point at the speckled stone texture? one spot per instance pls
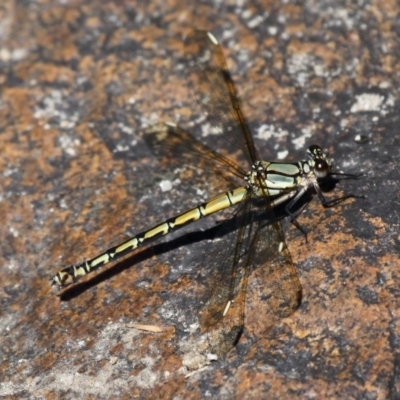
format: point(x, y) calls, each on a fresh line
point(79, 82)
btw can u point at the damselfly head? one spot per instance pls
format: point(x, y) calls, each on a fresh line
point(322, 166)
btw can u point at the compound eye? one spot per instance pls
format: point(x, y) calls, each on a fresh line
point(321, 168)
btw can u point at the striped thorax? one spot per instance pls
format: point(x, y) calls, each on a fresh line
point(278, 178)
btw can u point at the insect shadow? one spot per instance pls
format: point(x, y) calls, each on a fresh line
point(219, 231)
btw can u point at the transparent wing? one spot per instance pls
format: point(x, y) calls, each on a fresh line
point(209, 76)
point(259, 243)
point(178, 147)
point(274, 271)
point(258, 250)
point(222, 317)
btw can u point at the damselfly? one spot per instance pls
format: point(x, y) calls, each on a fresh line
point(266, 185)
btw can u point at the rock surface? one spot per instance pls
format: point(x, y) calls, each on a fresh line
point(79, 82)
